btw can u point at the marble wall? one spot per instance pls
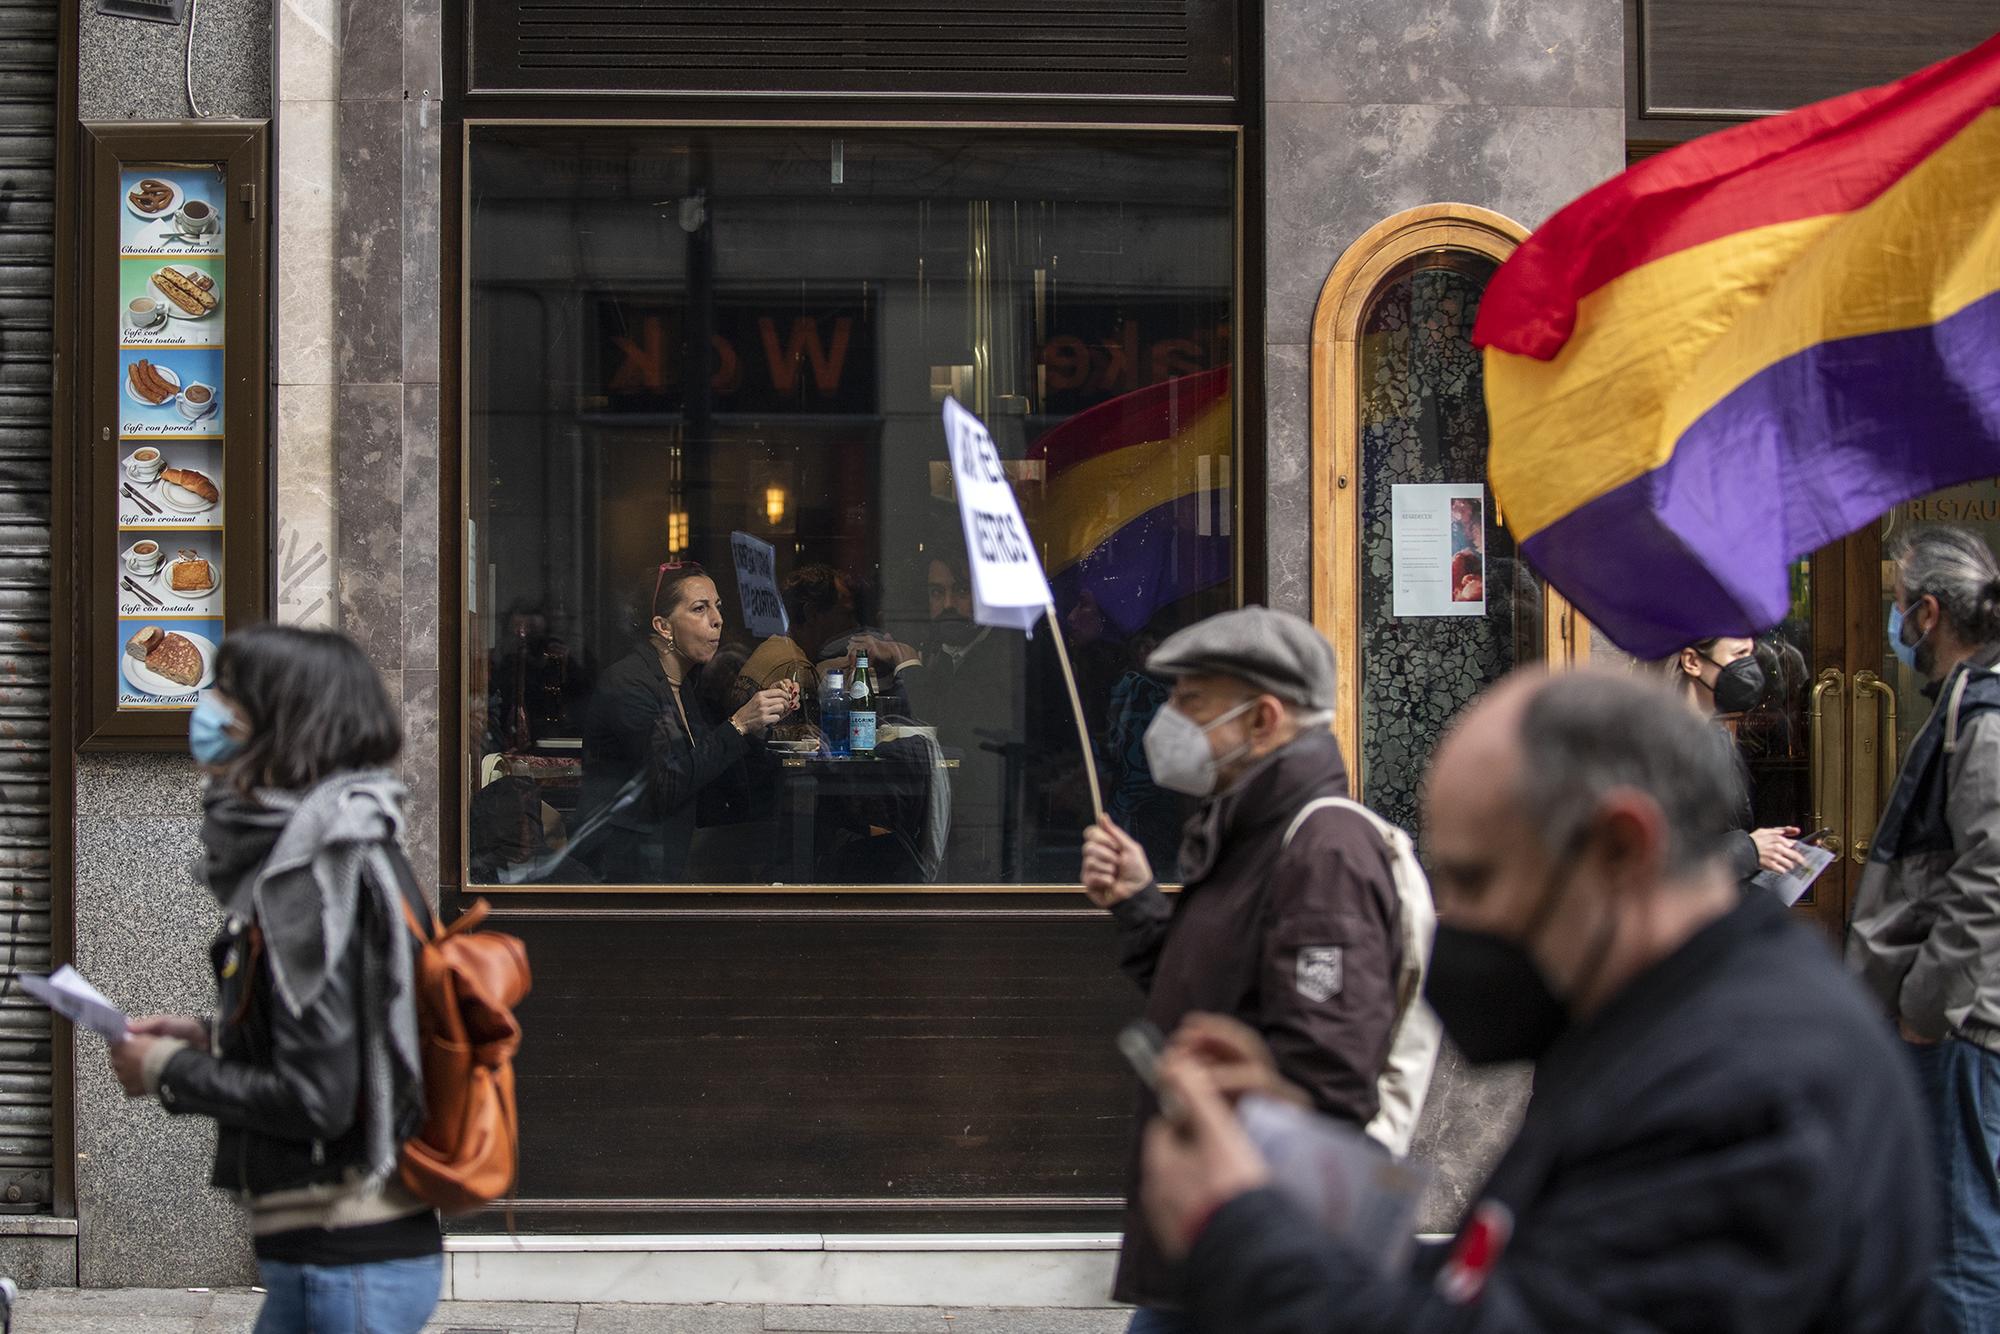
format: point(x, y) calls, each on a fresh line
point(145, 1212)
point(1370, 109)
point(357, 354)
point(356, 371)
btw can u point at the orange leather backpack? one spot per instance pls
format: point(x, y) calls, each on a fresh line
point(468, 982)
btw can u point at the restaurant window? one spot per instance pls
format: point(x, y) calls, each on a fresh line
point(729, 349)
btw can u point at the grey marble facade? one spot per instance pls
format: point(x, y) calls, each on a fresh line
point(1373, 108)
point(145, 1213)
point(1515, 105)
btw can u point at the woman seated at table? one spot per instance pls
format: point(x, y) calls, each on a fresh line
point(648, 718)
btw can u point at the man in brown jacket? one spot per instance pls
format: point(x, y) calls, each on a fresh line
point(1299, 940)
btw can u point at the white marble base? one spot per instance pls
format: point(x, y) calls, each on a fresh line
point(801, 1269)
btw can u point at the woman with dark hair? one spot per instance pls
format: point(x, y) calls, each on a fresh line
point(1721, 679)
point(310, 1067)
point(655, 748)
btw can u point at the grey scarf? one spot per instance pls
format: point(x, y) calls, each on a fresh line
point(308, 899)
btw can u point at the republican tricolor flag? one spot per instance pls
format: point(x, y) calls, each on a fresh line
point(1743, 349)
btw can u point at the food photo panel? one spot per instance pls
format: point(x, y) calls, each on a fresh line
point(169, 484)
point(165, 664)
point(169, 572)
point(170, 304)
point(172, 211)
point(167, 392)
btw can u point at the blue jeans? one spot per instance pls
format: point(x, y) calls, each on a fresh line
point(386, 1297)
point(1961, 1084)
point(1145, 1320)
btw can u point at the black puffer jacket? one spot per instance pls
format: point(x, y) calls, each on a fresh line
point(285, 1092)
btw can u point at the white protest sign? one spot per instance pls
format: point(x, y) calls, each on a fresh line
point(1008, 586)
point(757, 585)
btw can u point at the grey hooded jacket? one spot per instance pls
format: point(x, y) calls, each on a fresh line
point(1925, 935)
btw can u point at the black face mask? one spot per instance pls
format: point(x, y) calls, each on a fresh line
point(1739, 687)
point(1490, 994)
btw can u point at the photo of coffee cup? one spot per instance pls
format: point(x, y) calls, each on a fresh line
point(197, 401)
point(144, 465)
point(196, 218)
point(143, 312)
point(145, 557)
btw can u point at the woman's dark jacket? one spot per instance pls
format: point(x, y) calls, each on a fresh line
point(285, 1091)
point(1739, 848)
point(634, 728)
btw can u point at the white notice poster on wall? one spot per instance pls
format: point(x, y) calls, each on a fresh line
point(757, 584)
point(1437, 541)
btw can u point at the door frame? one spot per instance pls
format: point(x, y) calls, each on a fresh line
point(1336, 438)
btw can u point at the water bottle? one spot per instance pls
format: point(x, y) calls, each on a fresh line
point(861, 708)
point(833, 713)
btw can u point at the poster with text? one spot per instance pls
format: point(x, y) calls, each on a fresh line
point(1437, 536)
point(171, 210)
point(169, 484)
point(171, 572)
point(169, 393)
point(169, 305)
point(165, 663)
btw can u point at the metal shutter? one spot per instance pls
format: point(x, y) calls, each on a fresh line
point(27, 250)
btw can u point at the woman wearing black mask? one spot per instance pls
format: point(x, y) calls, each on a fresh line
point(1721, 679)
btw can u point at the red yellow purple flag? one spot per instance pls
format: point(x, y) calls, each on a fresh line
point(1745, 348)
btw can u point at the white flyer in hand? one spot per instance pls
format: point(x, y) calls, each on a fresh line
point(1008, 586)
point(1792, 885)
point(757, 585)
point(65, 992)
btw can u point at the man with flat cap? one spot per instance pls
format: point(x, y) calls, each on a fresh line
point(1288, 920)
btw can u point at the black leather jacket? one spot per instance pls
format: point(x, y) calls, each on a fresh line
point(285, 1092)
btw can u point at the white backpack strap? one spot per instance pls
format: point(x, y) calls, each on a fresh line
point(1405, 1078)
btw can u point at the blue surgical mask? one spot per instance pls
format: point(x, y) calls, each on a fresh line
point(1905, 651)
point(208, 732)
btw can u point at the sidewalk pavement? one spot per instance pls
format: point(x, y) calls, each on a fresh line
point(234, 1311)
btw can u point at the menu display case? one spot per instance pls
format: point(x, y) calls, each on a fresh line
point(168, 474)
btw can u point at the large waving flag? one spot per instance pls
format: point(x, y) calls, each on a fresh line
point(1137, 509)
point(1747, 347)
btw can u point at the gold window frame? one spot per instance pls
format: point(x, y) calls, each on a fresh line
point(1336, 436)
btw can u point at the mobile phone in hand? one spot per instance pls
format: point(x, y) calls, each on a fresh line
point(1141, 1043)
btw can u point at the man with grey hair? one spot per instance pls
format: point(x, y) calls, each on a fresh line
point(1289, 926)
point(1724, 1136)
point(1925, 938)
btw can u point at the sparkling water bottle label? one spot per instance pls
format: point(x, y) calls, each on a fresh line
point(861, 730)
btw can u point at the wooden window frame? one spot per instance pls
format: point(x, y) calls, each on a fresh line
point(1336, 436)
point(87, 503)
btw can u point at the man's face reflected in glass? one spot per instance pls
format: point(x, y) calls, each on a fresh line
point(949, 593)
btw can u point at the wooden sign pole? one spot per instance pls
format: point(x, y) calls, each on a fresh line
point(1076, 712)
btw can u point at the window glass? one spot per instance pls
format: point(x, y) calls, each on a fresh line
point(1447, 606)
point(687, 344)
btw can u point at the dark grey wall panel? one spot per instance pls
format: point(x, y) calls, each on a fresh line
point(1729, 57)
point(927, 48)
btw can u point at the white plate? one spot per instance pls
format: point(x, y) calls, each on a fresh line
point(173, 204)
point(162, 589)
point(166, 373)
point(174, 312)
point(179, 498)
point(151, 683)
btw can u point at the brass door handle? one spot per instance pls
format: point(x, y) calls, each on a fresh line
point(1881, 747)
point(1825, 814)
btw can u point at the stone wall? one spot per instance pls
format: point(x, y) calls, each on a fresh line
point(1370, 109)
point(356, 372)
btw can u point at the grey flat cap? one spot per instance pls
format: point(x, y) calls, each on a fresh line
point(1274, 651)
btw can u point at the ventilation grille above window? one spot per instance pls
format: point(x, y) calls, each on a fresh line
point(1146, 49)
